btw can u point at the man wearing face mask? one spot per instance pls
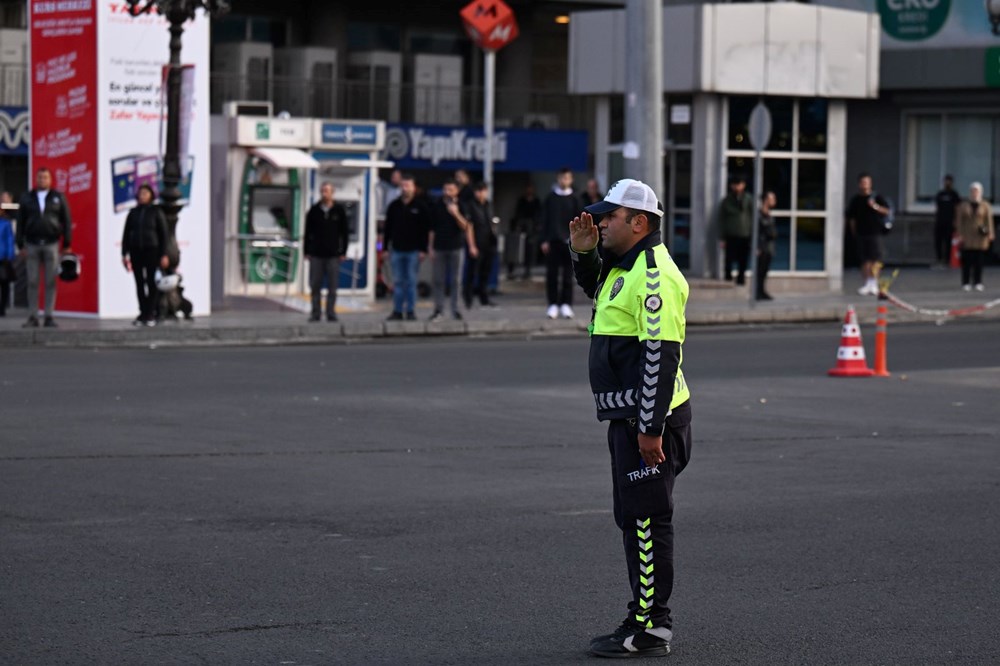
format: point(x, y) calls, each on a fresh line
point(637, 330)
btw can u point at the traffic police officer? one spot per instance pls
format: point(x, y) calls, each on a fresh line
point(635, 372)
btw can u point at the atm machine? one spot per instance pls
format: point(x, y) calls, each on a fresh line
point(265, 203)
point(274, 170)
point(347, 154)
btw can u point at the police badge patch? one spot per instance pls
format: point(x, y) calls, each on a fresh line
point(616, 287)
point(653, 303)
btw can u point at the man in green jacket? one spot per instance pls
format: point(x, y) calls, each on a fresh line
point(735, 224)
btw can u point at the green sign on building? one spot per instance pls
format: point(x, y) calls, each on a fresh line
point(913, 20)
point(264, 131)
point(993, 67)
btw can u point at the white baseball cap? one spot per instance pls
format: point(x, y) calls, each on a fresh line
point(628, 193)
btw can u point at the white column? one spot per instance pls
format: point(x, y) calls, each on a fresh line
point(602, 134)
point(836, 162)
point(707, 176)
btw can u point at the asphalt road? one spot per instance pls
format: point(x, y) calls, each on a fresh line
point(448, 502)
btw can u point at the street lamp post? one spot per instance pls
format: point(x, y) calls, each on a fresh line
point(176, 12)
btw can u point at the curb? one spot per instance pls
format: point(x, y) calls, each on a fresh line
point(182, 335)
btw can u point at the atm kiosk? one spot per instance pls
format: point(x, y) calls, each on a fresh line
point(347, 153)
point(275, 167)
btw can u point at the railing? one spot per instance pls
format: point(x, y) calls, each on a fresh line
point(266, 259)
point(13, 85)
point(408, 103)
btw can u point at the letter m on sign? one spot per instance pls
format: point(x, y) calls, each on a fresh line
point(490, 23)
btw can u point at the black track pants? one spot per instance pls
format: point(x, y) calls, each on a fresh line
point(644, 508)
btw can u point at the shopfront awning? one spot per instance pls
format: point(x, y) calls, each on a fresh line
point(286, 158)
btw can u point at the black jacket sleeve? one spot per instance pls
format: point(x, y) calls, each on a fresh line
point(308, 236)
point(660, 360)
point(127, 233)
point(343, 232)
point(587, 267)
point(66, 222)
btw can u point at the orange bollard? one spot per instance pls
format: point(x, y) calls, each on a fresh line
point(880, 331)
point(955, 260)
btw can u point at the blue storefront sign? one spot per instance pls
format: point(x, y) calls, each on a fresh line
point(436, 147)
point(14, 134)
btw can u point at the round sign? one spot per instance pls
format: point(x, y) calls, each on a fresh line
point(913, 20)
point(760, 127)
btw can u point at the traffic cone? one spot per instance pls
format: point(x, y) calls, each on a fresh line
point(851, 353)
point(955, 260)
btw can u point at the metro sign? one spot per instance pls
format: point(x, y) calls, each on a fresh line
point(490, 23)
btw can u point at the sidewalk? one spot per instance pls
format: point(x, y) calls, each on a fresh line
point(521, 312)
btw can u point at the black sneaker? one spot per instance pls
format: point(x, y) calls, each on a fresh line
point(395, 316)
point(332, 317)
point(456, 315)
point(410, 316)
point(50, 323)
point(437, 315)
point(31, 323)
point(630, 640)
point(313, 318)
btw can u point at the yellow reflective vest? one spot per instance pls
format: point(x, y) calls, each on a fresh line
point(637, 330)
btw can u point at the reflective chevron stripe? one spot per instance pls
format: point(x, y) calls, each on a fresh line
point(615, 399)
point(647, 591)
point(650, 380)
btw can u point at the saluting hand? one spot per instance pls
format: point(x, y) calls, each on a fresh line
point(583, 233)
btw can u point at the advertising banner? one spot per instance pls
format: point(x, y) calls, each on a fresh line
point(96, 112)
point(909, 24)
point(13, 130)
point(438, 147)
point(132, 52)
point(64, 128)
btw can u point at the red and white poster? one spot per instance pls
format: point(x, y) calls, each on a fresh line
point(96, 118)
point(64, 127)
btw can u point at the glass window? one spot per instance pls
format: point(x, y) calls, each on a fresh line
point(681, 243)
point(812, 185)
point(778, 179)
point(363, 36)
point(812, 126)
point(969, 150)
point(928, 154)
point(794, 169)
point(782, 244)
point(679, 110)
point(739, 121)
point(809, 243)
point(682, 179)
point(782, 111)
point(964, 145)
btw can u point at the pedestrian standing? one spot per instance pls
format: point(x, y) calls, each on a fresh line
point(144, 249)
point(561, 206)
point(945, 203)
point(524, 233)
point(767, 232)
point(448, 236)
point(638, 329)
point(8, 250)
point(407, 226)
point(325, 246)
point(976, 231)
point(43, 221)
point(735, 225)
point(866, 214)
point(482, 237)
point(592, 194)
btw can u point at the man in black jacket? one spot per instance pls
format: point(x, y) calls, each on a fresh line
point(479, 266)
point(43, 218)
point(561, 206)
point(407, 226)
point(325, 247)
